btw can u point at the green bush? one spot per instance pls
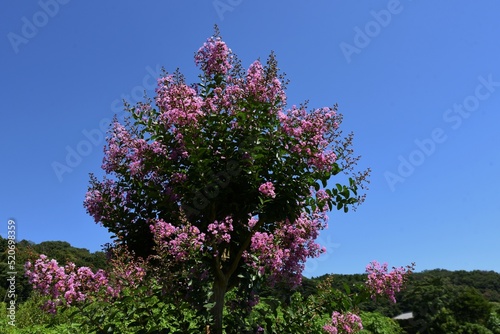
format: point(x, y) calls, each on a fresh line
point(376, 323)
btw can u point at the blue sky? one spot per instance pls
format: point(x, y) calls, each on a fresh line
point(417, 81)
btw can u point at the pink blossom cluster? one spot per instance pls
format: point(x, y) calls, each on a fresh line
point(283, 251)
point(142, 109)
point(105, 202)
point(225, 100)
point(322, 198)
point(312, 135)
point(117, 151)
point(252, 222)
point(179, 104)
point(123, 150)
point(178, 242)
point(221, 230)
point(267, 189)
point(344, 323)
point(261, 88)
point(380, 282)
point(68, 284)
point(94, 204)
point(129, 273)
point(214, 57)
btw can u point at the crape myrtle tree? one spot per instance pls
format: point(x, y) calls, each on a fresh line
point(220, 182)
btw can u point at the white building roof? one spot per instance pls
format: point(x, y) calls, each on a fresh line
point(404, 316)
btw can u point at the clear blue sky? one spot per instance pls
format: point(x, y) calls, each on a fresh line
point(417, 81)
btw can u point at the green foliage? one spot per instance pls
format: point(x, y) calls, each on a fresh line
point(486, 282)
point(376, 323)
point(30, 318)
point(301, 315)
point(493, 322)
point(469, 328)
point(441, 307)
point(146, 309)
point(469, 305)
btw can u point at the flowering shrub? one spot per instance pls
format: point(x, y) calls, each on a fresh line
point(68, 285)
point(344, 323)
point(380, 282)
point(86, 289)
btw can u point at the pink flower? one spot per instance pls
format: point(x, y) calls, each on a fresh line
point(311, 134)
point(260, 88)
point(380, 282)
point(214, 57)
point(180, 105)
point(284, 252)
point(177, 242)
point(252, 222)
point(67, 285)
point(344, 323)
point(267, 189)
point(221, 230)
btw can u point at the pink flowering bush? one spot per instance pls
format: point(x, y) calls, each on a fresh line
point(67, 285)
point(217, 185)
point(345, 317)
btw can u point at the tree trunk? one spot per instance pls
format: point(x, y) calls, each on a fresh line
point(220, 288)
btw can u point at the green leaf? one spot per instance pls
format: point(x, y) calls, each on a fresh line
point(209, 306)
point(347, 288)
point(316, 186)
